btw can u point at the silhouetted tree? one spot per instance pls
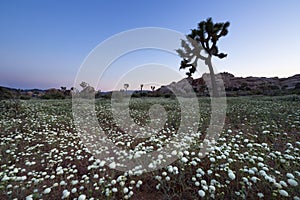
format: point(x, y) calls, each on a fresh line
point(63, 89)
point(184, 64)
point(205, 37)
point(126, 86)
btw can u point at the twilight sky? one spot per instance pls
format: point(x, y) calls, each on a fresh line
point(44, 43)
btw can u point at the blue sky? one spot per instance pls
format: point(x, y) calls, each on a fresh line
point(43, 43)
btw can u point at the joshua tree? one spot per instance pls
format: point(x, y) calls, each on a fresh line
point(126, 86)
point(63, 89)
point(152, 88)
point(142, 85)
point(205, 37)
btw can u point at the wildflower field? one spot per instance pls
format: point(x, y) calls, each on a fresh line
point(257, 155)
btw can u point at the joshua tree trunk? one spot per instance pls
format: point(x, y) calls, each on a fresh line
point(212, 77)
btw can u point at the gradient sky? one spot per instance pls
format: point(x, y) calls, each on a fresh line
point(43, 43)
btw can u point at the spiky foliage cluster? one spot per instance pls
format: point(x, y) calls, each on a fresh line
point(208, 35)
point(126, 86)
point(191, 53)
point(152, 88)
point(205, 37)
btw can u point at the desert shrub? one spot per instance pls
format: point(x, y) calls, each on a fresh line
point(257, 92)
point(52, 96)
point(25, 97)
point(288, 98)
point(5, 93)
point(167, 95)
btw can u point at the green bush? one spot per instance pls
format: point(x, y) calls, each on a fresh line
point(53, 96)
point(25, 97)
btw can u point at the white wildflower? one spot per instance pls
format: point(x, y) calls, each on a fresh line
point(260, 195)
point(47, 191)
point(201, 193)
point(283, 193)
point(74, 190)
point(231, 175)
point(82, 197)
point(184, 159)
point(290, 175)
point(125, 190)
point(112, 165)
point(292, 182)
point(283, 183)
point(66, 194)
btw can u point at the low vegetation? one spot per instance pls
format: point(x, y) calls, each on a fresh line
point(256, 156)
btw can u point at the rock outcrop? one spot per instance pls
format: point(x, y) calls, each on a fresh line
point(235, 85)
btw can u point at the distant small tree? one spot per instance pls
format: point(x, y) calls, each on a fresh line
point(152, 88)
point(142, 85)
point(126, 86)
point(53, 94)
point(63, 88)
point(205, 37)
